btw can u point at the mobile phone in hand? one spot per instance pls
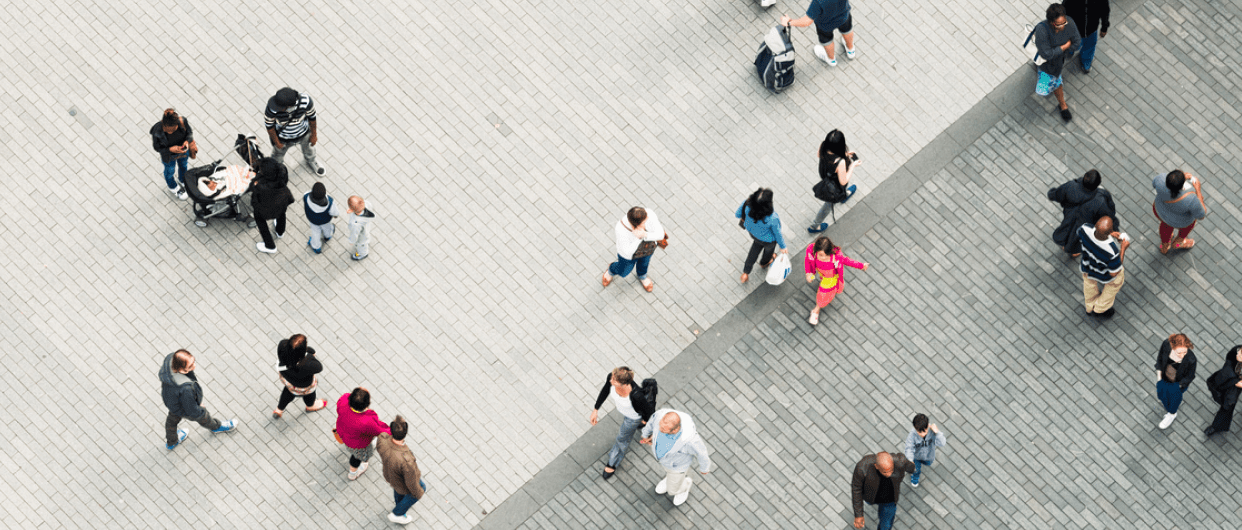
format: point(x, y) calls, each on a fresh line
point(854, 156)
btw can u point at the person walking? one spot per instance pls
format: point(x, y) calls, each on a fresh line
point(1101, 263)
point(1091, 17)
point(298, 368)
point(877, 480)
point(173, 139)
point(1057, 38)
point(1226, 386)
point(269, 201)
point(825, 261)
point(635, 409)
point(359, 218)
point(836, 167)
point(921, 445)
point(1179, 204)
point(759, 218)
point(1175, 369)
point(828, 15)
point(638, 234)
point(320, 209)
point(400, 470)
point(676, 446)
point(290, 120)
point(1082, 201)
point(357, 426)
point(184, 398)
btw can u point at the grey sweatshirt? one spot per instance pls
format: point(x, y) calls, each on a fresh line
point(685, 450)
point(1049, 42)
point(920, 448)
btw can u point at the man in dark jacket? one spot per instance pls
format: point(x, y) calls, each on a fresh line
point(269, 201)
point(1226, 385)
point(877, 480)
point(1091, 17)
point(635, 407)
point(184, 398)
point(1083, 202)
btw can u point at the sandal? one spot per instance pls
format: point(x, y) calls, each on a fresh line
point(322, 403)
point(814, 318)
point(649, 285)
point(276, 414)
point(605, 279)
point(1164, 249)
point(1184, 244)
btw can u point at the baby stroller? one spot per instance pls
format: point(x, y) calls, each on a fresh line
point(231, 177)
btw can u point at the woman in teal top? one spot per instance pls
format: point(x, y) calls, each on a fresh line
point(760, 220)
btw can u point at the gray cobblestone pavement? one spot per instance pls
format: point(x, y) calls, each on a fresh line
point(972, 315)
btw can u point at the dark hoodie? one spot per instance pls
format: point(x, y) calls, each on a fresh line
point(300, 365)
point(271, 195)
point(161, 141)
point(1080, 207)
point(1222, 383)
point(181, 392)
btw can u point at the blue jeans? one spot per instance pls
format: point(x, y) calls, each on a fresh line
point(180, 165)
point(622, 445)
point(1087, 54)
point(1170, 395)
point(405, 502)
point(622, 267)
point(918, 468)
point(888, 512)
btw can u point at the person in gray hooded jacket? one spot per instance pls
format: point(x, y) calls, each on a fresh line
point(184, 398)
point(921, 445)
point(676, 446)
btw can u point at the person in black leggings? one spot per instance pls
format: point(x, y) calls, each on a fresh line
point(298, 367)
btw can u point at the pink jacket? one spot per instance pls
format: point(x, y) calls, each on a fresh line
point(832, 268)
point(357, 430)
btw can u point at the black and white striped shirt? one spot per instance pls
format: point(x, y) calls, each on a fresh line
point(290, 123)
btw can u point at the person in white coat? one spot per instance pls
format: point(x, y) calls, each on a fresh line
point(676, 446)
point(638, 234)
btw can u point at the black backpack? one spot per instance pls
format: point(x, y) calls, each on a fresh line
point(775, 62)
point(649, 391)
point(830, 189)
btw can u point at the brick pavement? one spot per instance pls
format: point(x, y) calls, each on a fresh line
point(456, 119)
point(972, 315)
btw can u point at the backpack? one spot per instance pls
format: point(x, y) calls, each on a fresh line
point(648, 392)
point(1029, 48)
point(775, 61)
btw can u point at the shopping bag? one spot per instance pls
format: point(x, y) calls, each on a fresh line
point(779, 269)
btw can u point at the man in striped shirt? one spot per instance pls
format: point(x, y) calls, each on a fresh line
point(290, 119)
point(1101, 263)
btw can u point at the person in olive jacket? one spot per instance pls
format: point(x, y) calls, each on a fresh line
point(298, 367)
point(635, 408)
point(1226, 385)
point(269, 200)
point(1175, 369)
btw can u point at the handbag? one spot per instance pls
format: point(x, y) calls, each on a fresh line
point(645, 248)
point(337, 435)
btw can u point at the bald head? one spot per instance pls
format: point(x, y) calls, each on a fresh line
point(356, 204)
point(884, 463)
point(670, 423)
point(1103, 227)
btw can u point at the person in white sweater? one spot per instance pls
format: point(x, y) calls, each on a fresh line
point(638, 234)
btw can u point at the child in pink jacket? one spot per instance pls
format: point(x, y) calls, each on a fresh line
point(825, 260)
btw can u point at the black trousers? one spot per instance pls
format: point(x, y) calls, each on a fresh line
point(267, 234)
point(759, 248)
point(1223, 419)
point(286, 397)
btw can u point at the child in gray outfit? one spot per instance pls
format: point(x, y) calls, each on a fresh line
point(359, 220)
point(921, 445)
point(320, 209)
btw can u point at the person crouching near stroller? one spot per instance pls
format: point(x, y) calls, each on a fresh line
point(320, 209)
point(825, 261)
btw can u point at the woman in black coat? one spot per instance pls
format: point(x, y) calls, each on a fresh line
point(1226, 385)
point(269, 200)
point(1175, 369)
point(298, 367)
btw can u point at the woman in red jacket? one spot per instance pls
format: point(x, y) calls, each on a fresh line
point(357, 426)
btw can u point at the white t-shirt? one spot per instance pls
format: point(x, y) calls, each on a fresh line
point(624, 406)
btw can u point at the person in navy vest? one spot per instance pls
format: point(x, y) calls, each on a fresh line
point(320, 209)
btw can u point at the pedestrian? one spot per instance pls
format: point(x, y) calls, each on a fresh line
point(184, 398)
point(759, 218)
point(677, 444)
point(173, 139)
point(1091, 17)
point(320, 209)
point(400, 469)
point(836, 167)
point(1226, 385)
point(1057, 38)
point(1175, 208)
point(269, 201)
point(877, 480)
point(290, 119)
point(921, 445)
point(824, 260)
point(298, 368)
point(828, 15)
point(638, 234)
point(1175, 369)
point(356, 427)
point(1082, 201)
point(359, 223)
point(1101, 263)
point(635, 409)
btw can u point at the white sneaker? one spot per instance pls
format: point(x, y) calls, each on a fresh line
point(263, 248)
point(353, 475)
point(851, 54)
point(680, 498)
point(662, 487)
point(822, 55)
point(1167, 421)
point(179, 193)
point(400, 519)
point(767, 3)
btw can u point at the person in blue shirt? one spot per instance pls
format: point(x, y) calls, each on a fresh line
point(828, 15)
point(676, 445)
point(764, 226)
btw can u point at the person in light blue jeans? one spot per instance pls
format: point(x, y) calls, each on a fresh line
point(921, 445)
point(635, 409)
point(1091, 17)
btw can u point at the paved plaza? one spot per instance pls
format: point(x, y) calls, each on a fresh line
point(499, 143)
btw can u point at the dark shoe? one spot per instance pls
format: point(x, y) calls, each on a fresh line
point(609, 474)
point(817, 229)
point(1210, 430)
point(1065, 115)
point(1109, 313)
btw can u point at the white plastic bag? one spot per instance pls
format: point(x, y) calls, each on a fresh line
point(779, 270)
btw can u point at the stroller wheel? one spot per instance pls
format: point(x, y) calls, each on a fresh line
point(199, 222)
